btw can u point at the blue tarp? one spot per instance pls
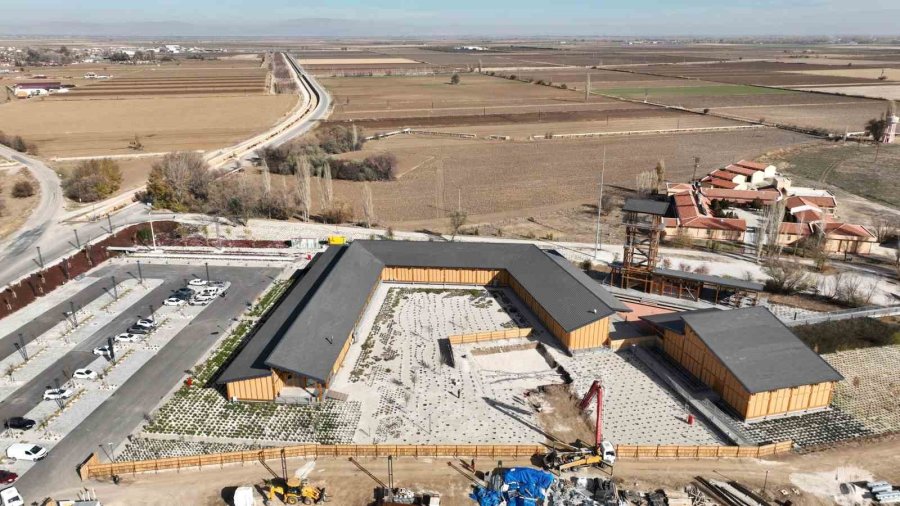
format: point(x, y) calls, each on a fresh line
point(524, 487)
point(528, 482)
point(485, 497)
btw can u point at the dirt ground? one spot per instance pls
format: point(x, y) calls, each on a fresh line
point(551, 186)
point(102, 127)
point(15, 211)
point(811, 475)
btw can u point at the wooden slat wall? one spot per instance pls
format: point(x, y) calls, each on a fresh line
point(495, 277)
point(479, 337)
point(92, 468)
point(689, 351)
point(255, 389)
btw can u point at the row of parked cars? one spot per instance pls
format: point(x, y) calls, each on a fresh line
point(199, 292)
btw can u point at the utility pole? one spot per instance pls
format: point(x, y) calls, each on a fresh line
point(140, 274)
point(207, 270)
point(599, 208)
point(77, 241)
point(109, 221)
point(115, 288)
point(696, 166)
point(40, 257)
point(152, 233)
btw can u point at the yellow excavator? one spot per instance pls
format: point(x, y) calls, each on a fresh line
point(295, 490)
point(291, 490)
point(580, 455)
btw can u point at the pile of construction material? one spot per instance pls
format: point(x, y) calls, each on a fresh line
point(732, 493)
point(884, 492)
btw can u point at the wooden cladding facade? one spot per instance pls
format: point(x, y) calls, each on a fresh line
point(439, 275)
point(265, 388)
point(689, 351)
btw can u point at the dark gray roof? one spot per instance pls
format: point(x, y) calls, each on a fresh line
point(761, 352)
point(314, 340)
point(707, 278)
point(250, 361)
point(646, 206)
point(327, 302)
point(673, 321)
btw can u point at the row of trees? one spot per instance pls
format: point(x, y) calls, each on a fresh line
point(18, 143)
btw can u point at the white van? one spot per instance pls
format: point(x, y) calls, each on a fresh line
point(11, 497)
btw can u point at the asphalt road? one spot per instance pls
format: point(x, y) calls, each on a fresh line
point(125, 410)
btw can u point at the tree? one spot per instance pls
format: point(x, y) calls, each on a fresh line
point(93, 180)
point(304, 188)
point(22, 189)
point(885, 229)
point(786, 276)
point(660, 175)
point(454, 79)
point(769, 229)
point(19, 144)
point(876, 128)
point(457, 220)
point(179, 182)
point(644, 183)
point(328, 195)
point(368, 205)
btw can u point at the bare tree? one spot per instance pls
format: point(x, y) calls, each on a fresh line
point(884, 229)
point(354, 138)
point(457, 220)
point(786, 276)
point(304, 188)
point(769, 228)
point(660, 175)
point(326, 182)
point(644, 183)
point(368, 205)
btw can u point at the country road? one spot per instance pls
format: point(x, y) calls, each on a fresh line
point(53, 230)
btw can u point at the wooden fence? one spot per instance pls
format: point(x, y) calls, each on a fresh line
point(93, 468)
point(479, 337)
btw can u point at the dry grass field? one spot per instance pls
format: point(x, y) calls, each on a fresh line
point(134, 171)
point(182, 105)
point(104, 127)
point(15, 210)
point(539, 186)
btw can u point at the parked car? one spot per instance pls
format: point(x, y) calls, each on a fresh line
point(7, 477)
point(173, 301)
point(85, 374)
point(201, 300)
point(20, 422)
point(105, 350)
point(11, 497)
point(183, 293)
point(137, 329)
point(148, 323)
point(52, 394)
point(127, 337)
point(197, 282)
point(26, 451)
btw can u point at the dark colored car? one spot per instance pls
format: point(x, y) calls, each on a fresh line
point(183, 293)
point(137, 329)
point(7, 477)
point(21, 423)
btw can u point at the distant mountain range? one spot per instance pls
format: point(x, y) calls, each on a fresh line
point(305, 27)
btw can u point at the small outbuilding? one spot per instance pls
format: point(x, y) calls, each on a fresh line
point(750, 358)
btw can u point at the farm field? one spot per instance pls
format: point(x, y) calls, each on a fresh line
point(104, 127)
point(850, 166)
point(505, 184)
point(763, 73)
point(884, 91)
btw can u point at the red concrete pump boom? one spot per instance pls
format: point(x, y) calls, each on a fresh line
point(595, 390)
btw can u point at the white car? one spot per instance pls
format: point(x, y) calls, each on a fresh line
point(173, 301)
point(197, 282)
point(52, 394)
point(147, 323)
point(201, 300)
point(103, 350)
point(127, 337)
point(85, 374)
point(11, 497)
point(26, 451)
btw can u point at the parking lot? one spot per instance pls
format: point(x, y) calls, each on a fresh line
point(61, 333)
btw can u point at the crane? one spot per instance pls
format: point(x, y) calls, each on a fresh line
point(581, 455)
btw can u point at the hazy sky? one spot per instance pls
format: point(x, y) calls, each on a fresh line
point(537, 17)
